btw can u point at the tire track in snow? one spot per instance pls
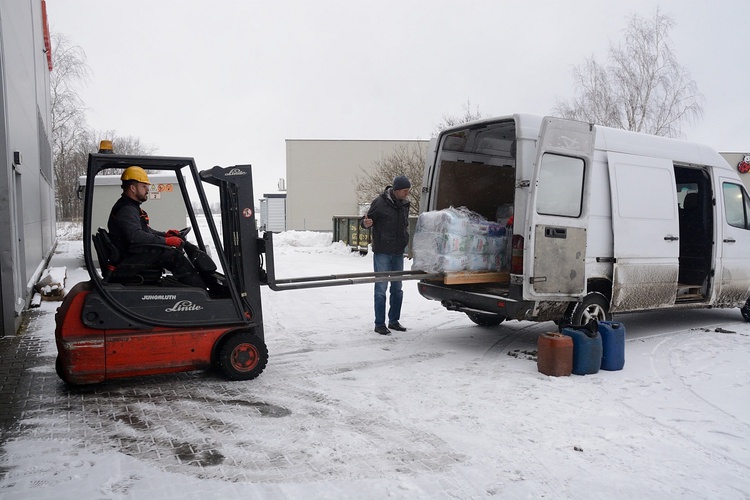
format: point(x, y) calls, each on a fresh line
point(339, 440)
point(699, 416)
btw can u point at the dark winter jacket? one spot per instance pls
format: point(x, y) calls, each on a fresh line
point(128, 225)
point(390, 228)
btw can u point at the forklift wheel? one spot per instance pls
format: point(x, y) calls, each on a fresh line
point(59, 369)
point(243, 356)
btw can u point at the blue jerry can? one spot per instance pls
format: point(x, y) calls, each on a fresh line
point(613, 345)
point(587, 349)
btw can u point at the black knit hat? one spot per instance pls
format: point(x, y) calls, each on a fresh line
point(401, 182)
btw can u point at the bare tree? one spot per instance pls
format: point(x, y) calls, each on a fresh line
point(72, 139)
point(123, 145)
point(70, 70)
point(642, 88)
point(127, 145)
point(68, 122)
point(408, 160)
point(452, 120)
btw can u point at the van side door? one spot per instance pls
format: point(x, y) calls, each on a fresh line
point(646, 229)
point(733, 283)
point(557, 218)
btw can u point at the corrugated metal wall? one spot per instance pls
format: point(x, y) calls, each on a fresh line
point(273, 213)
point(27, 194)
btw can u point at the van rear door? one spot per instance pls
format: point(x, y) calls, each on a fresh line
point(556, 232)
point(646, 229)
point(429, 171)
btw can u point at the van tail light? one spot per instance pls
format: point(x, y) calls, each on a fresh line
point(516, 254)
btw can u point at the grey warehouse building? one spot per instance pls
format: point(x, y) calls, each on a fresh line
point(27, 192)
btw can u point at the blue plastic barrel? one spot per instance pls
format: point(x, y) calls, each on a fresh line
point(587, 350)
point(613, 345)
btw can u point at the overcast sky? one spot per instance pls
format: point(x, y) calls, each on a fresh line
point(227, 81)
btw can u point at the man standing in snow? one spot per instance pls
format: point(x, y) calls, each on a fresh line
point(388, 217)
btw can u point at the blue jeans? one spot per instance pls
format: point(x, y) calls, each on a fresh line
point(388, 262)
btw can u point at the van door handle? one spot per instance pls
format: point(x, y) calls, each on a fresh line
point(555, 232)
point(671, 238)
point(730, 240)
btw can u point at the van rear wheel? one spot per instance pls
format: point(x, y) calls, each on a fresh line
point(485, 319)
point(745, 310)
point(594, 306)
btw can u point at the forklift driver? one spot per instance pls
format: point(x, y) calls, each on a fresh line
point(128, 226)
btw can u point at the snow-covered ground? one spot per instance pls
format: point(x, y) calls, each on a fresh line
point(445, 410)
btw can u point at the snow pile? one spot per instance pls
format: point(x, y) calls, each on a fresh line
point(69, 231)
point(52, 283)
point(309, 242)
point(302, 239)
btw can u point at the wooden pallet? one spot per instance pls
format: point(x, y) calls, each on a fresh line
point(465, 278)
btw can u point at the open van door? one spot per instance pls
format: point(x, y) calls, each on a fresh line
point(646, 228)
point(556, 236)
point(429, 171)
point(733, 270)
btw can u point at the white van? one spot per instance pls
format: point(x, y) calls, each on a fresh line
point(605, 220)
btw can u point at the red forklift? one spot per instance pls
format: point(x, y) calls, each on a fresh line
point(131, 321)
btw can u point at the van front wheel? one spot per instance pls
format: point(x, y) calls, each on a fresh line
point(593, 306)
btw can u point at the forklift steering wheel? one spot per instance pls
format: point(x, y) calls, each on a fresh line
point(184, 232)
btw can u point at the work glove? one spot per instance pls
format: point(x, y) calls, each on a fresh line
point(174, 241)
point(173, 232)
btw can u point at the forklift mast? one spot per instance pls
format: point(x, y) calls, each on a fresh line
point(242, 247)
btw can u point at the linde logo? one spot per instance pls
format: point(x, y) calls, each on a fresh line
point(182, 306)
point(236, 171)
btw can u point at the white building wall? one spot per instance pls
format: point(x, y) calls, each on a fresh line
point(27, 233)
point(321, 178)
point(165, 207)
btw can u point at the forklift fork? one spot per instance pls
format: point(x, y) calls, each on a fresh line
point(279, 285)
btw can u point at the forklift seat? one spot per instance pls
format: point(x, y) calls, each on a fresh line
point(118, 269)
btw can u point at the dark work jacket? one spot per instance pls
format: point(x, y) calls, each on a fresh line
point(390, 223)
point(128, 225)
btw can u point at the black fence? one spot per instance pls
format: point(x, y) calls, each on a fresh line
point(347, 229)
